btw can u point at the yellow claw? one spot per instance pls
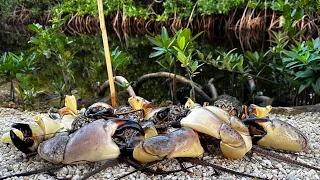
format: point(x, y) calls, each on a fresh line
point(49, 126)
point(189, 103)
point(138, 103)
point(260, 112)
point(150, 132)
point(71, 103)
point(183, 142)
point(6, 136)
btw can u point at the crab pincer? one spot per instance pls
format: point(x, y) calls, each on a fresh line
point(32, 136)
point(88, 144)
point(183, 142)
point(276, 134)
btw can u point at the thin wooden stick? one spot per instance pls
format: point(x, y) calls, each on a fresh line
point(107, 53)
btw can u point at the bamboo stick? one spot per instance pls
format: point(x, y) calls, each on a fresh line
point(107, 53)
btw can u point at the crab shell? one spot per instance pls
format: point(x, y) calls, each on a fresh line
point(99, 108)
point(203, 120)
point(183, 142)
point(278, 135)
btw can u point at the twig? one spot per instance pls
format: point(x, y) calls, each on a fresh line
point(34, 172)
point(204, 163)
point(190, 18)
point(107, 164)
point(259, 150)
point(120, 80)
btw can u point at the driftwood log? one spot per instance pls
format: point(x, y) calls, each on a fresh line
point(134, 89)
point(137, 85)
point(120, 80)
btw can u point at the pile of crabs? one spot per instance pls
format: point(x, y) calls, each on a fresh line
point(147, 134)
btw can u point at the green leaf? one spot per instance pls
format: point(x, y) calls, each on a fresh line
point(196, 36)
point(34, 40)
point(316, 86)
point(156, 54)
point(315, 66)
point(291, 64)
point(304, 74)
point(155, 42)
point(162, 65)
point(194, 66)
point(182, 58)
point(182, 42)
point(305, 85)
point(312, 59)
point(35, 27)
point(292, 54)
point(164, 34)
point(18, 91)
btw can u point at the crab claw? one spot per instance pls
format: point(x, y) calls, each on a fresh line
point(203, 120)
point(99, 110)
point(70, 106)
point(149, 131)
point(138, 103)
point(32, 137)
point(158, 115)
point(71, 103)
point(183, 142)
point(88, 144)
point(276, 134)
point(235, 123)
point(49, 126)
point(257, 111)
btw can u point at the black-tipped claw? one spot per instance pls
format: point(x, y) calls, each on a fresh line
point(22, 145)
point(24, 128)
point(256, 130)
point(126, 124)
point(252, 121)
